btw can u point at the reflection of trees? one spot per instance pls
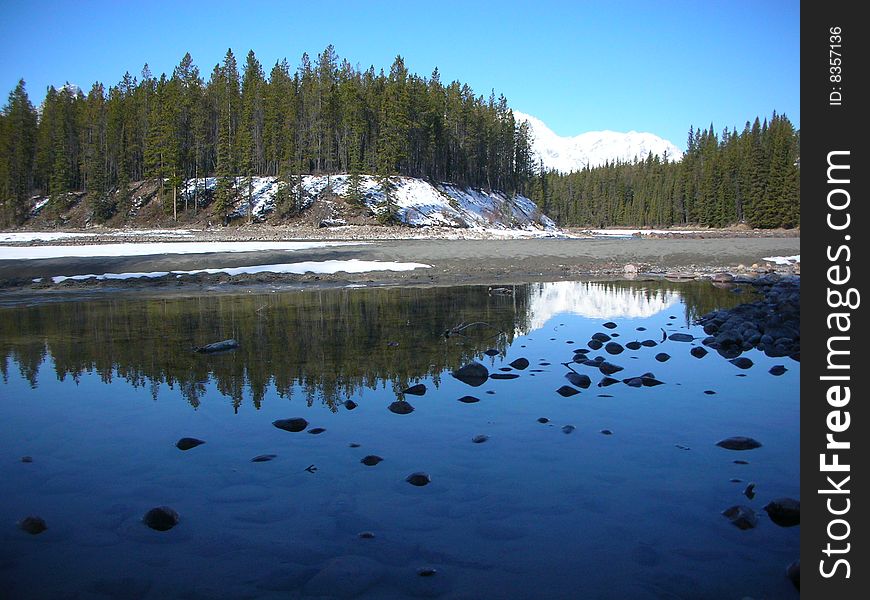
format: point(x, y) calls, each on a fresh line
point(323, 344)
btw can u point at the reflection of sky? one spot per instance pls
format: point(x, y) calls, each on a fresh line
point(595, 301)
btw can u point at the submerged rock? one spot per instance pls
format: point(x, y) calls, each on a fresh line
point(27, 459)
point(581, 381)
point(649, 343)
point(350, 404)
point(606, 381)
point(594, 344)
point(749, 492)
point(635, 345)
point(633, 382)
point(316, 430)
point(567, 391)
point(473, 374)
point(186, 443)
point(295, 424)
point(161, 518)
point(613, 348)
point(32, 524)
point(543, 420)
point(739, 442)
point(609, 368)
point(479, 439)
point(371, 460)
point(785, 512)
point(681, 337)
point(648, 381)
point(741, 362)
point(741, 516)
point(663, 357)
point(415, 390)
point(777, 370)
point(264, 458)
point(419, 479)
point(601, 337)
point(610, 325)
point(469, 399)
point(221, 346)
point(400, 407)
point(606, 432)
point(568, 429)
point(520, 364)
point(698, 352)
point(503, 376)
point(491, 352)
point(793, 572)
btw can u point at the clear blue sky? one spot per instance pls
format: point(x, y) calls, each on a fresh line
point(578, 66)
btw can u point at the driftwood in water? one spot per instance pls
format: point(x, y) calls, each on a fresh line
point(221, 346)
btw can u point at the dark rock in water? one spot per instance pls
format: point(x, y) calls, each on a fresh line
point(698, 352)
point(426, 572)
point(650, 381)
point(371, 460)
point(503, 376)
point(739, 443)
point(606, 381)
point(544, 364)
point(640, 328)
point(490, 392)
point(32, 525)
point(785, 512)
point(749, 492)
point(316, 430)
point(505, 369)
point(469, 399)
point(581, 351)
point(681, 447)
point(609, 368)
point(741, 462)
point(606, 432)
point(520, 364)
point(649, 343)
point(479, 439)
point(567, 391)
point(710, 392)
point(353, 445)
point(742, 362)
point(613, 348)
point(741, 516)
point(633, 345)
point(401, 407)
point(491, 352)
point(186, 443)
point(663, 357)
point(581, 381)
point(415, 390)
point(366, 535)
point(350, 404)
point(793, 572)
point(295, 424)
point(221, 346)
point(735, 480)
point(777, 370)
point(393, 344)
point(601, 337)
point(543, 420)
point(27, 459)
point(595, 344)
point(566, 429)
point(681, 337)
point(605, 396)
point(610, 325)
point(418, 479)
point(473, 374)
point(161, 518)
point(264, 458)
point(633, 382)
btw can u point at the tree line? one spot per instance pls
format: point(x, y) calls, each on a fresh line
point(750, 177)
point(326, 116)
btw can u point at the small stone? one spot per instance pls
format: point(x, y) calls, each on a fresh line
point(415, 390)
point(633, 382)
point(739, 443)
point(749, 492)
point(491, 352)
point(520, 364)
point(400, 407)
point(419, 479)
point(186, 443)
point(606, 432)
point(567, 391)
point(264, 458)
point(741, 362)
point(606, 381)
point(785, 512)
point(161, 518)
point(350, 404)
point(710, 392)
point(366, 535)
point(609, 368)
point(32, 525)
point(353, 445)
point(469, 399)
point(663, 357)
point(601, 337)
point(295, 424)
point(649, 343)
point(581, 381)
point(681, 447)
point(503, 376)
point(426, 572)
point(479, 439)
point(635, 345)
point(735, 480)
point(650, 381)
point(473, 374)
point(698, 352)
point(740, 516)
point(371, 460)
point(27, 459)
point(793, 572)
point(393, 344)
point(316, 430)
point(681, 337)
point(613, 348)
point(595, 344)
point(610, 325)
point(566, 429)
point(640, 328)
point(741, 462)
point(543, 420)
point(777, 370)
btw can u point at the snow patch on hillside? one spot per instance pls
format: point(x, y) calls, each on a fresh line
point(594, 148)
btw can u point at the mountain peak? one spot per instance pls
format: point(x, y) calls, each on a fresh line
point(593, 148)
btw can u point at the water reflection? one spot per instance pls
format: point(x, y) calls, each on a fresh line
point(325, 345)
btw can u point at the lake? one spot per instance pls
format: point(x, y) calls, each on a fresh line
point(613, 492)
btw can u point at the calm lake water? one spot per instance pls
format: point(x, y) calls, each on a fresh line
point(98, 392)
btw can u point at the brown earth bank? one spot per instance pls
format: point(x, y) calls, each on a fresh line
point(495, 262)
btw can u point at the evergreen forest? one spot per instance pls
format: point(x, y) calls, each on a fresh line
point(327, 116)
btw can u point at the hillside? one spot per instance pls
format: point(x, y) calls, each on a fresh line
point(594, 148)
point(323, 203)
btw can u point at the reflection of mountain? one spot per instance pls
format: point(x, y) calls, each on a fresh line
point(596, 301)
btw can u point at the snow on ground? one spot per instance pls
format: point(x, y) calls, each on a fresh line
point(418, 203)
point(300, 268)
point(147, 249)
point(631, 232)
point(784, 260)
point(51, 236)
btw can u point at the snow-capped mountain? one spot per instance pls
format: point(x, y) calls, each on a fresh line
point(593, 148)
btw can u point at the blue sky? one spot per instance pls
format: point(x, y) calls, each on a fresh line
point(578, 66)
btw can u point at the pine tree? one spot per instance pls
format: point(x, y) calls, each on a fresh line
point(18, 131)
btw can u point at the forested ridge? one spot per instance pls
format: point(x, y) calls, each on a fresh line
point(328, 116)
